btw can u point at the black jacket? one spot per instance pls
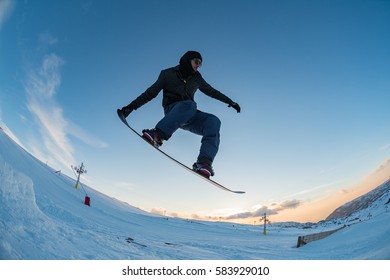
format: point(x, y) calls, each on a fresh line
point(175, 88)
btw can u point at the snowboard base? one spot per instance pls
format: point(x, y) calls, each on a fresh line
point(218, 185)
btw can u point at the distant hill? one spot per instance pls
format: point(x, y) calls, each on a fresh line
point(361, 202)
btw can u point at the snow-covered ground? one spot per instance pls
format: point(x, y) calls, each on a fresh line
point(42, 216)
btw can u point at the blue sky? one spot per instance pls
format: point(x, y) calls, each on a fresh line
point(312, 79)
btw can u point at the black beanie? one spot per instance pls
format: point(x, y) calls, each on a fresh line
point(190, 55)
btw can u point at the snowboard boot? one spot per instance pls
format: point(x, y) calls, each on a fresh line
point(153, 136)
point(203, 168)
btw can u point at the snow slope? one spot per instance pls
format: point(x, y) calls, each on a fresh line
point(43, 217)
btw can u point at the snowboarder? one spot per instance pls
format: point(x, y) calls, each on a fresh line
point(179, 85)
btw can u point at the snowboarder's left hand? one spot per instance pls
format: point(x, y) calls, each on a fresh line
point(235, 106)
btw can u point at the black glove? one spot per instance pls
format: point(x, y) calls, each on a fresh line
point(127, 110)
point(235, 106)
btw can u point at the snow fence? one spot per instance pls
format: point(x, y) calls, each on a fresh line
point(302, 240)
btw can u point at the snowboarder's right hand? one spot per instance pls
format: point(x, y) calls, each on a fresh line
point(127, 110)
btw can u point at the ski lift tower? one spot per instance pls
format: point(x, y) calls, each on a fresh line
point(266, 220)
point(79, 170)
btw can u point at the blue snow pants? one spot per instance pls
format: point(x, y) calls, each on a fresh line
point(184, 115)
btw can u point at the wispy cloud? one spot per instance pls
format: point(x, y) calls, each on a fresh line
point(6, 7)
point(384, 147)
point(158, 211)
point(41, 87)
point(313, 189)
point(85, 136)
point(383, 167)
point(47, 39)
point(250, 214)
point(258, 211)
point(124, 185)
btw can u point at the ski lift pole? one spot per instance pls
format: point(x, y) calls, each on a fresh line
point(77, 181)
point(265, 219)
point(79, 170)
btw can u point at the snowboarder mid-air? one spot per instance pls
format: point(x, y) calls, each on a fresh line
point(179, 85)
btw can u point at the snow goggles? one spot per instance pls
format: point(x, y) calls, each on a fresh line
point(198, 61)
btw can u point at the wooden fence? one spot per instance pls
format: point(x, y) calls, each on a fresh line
point(302, 240)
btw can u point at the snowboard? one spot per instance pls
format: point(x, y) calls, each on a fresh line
point(123, 119)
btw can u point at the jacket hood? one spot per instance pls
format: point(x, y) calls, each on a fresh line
point(185, 63)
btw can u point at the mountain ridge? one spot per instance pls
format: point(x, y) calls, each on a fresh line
point(360, 203)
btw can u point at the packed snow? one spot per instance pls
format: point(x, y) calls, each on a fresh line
point(44, 217)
